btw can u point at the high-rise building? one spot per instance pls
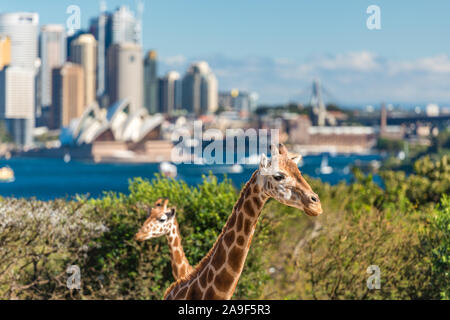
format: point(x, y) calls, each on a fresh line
point(68, 95)
point(52, 51)
point(5, 51)
point(124, 26)
point(200, 89)
point(84, 52)
point(238, 100)
point(151, 82)
point(98, 27)
point(17, 102)
point(18, 80)
point(125, 74)
point(170, 93)
point(22, 29)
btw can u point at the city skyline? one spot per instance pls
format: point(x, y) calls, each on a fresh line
point(280, 58)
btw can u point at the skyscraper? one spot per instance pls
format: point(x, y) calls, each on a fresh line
point(151, 82)
point(22, 29)
point(5, 51)
point(52, 51)
point(17, 102)
point(125, 74)
point(120, 26)
point(200, 89)
point(17, 81)
point(68, 95)
point(170, 93)
point(124, 26)
point(84, 52)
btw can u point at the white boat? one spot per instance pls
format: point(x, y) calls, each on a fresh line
point(6, 174)
point(236, 168)
point(324, 167)
point(168, 169)
point(67, 158)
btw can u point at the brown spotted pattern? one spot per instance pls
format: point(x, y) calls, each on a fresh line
point(153, 227)
point(217, 275)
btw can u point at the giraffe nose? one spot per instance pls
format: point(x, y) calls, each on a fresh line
point(314, 198)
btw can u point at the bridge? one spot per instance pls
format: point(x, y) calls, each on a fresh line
point(437, 121)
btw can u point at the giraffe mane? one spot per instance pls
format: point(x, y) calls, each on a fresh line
point(199, 267)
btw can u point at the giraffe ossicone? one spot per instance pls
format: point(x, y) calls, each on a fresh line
point(217, 274)
point(162, 221)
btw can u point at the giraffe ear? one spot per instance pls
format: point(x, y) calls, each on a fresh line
point(282, 149)
point(296, 158)
point(171, 213)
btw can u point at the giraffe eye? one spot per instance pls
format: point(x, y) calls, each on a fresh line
point(279, 176)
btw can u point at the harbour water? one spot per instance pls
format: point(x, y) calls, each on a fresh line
point(47, 179)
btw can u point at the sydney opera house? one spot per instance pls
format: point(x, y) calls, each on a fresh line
point(114, 134)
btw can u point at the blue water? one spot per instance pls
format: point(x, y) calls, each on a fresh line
point(47, 179)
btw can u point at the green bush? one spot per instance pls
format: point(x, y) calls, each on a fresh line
point(398, 227)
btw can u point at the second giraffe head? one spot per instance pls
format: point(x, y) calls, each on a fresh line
point(159, 222)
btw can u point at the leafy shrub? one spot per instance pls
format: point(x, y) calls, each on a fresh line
point(38, 241)
point(398, 228)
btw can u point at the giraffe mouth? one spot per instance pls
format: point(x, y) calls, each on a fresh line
point(313, 212)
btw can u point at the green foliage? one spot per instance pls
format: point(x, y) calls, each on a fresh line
point(438, 239)
point(398, 227)
point(143, 270)
point(390, 145)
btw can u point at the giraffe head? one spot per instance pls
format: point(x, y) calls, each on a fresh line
point(282, 180)
point(159, 222)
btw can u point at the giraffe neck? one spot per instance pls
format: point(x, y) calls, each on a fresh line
point(217, 274)
point(180, 264)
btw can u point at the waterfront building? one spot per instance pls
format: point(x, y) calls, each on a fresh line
point(238, 100)
point(18, 80)
point(84, 52)
point(124, 26)
point(52, 52)
point(170, 93)
point(68, 95)
point(200, 89)
point(22, 29)
point(151, 82)
point(125, 74)
point(17, 102)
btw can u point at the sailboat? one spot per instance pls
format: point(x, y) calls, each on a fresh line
point(324, 167)
point(67, 157)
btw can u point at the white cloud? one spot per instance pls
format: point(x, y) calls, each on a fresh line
point(352, 77)
point(174, 61)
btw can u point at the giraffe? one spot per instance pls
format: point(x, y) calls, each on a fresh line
point(217, 274)
point(163, 221)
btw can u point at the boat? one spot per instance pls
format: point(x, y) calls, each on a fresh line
point(236, 168)
point(6, 174)
point(324, 167)
point(168, 169)
point(67, 157)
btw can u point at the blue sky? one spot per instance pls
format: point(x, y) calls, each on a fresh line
point(277, 47)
